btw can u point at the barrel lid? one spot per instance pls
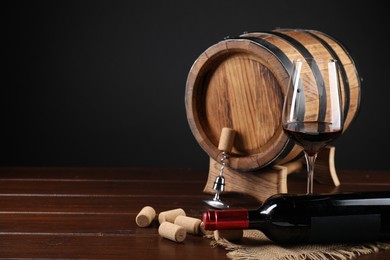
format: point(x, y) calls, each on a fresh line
point(240, 84)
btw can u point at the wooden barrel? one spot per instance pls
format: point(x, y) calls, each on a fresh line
point(241, 82)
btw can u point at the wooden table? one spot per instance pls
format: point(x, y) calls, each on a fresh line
point(89, 213)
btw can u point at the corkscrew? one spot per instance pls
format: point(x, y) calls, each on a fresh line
point(225, 145)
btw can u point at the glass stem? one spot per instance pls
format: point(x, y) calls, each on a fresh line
point(310, 162)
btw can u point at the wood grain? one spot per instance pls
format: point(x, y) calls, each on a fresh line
point(89, 213)
point(240, 83)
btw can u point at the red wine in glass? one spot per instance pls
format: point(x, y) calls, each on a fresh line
point(312, 111)
point(311, 136)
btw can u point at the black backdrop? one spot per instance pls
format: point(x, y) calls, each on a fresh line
point(101, 83)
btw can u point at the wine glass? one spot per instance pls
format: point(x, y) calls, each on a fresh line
point(312, 111)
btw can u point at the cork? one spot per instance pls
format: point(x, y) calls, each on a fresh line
point(172, 231)
point(226, 140)
point(204, 231)
point(145, 216)
point(190, 224)
point(229, 234)
point(170, 215)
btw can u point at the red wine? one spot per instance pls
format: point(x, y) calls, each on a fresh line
point(287, 218)
point(311, 136)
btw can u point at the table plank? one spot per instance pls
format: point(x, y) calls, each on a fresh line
point(102, 188)
point(89, 213)
point(76, 223)
point(71, 246)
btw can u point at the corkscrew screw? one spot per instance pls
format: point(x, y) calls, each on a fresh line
point(225, 145)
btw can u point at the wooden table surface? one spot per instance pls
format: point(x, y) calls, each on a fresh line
point(89, 213)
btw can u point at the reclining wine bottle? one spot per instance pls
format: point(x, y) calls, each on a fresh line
point(322, 218)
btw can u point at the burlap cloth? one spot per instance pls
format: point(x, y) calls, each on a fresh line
point(255, 245)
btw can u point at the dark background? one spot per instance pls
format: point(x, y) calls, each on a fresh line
point(102, 83)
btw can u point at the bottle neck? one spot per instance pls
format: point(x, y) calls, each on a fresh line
point(257, 219)
point(232, 219)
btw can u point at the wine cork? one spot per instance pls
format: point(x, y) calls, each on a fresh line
point(229, 234)
point(204, 231)
point(226, 140)
point(191, 225)
point(172, 231)
point(145, 216)
point(170, 215)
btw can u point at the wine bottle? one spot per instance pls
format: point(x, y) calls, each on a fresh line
point(318, 218)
